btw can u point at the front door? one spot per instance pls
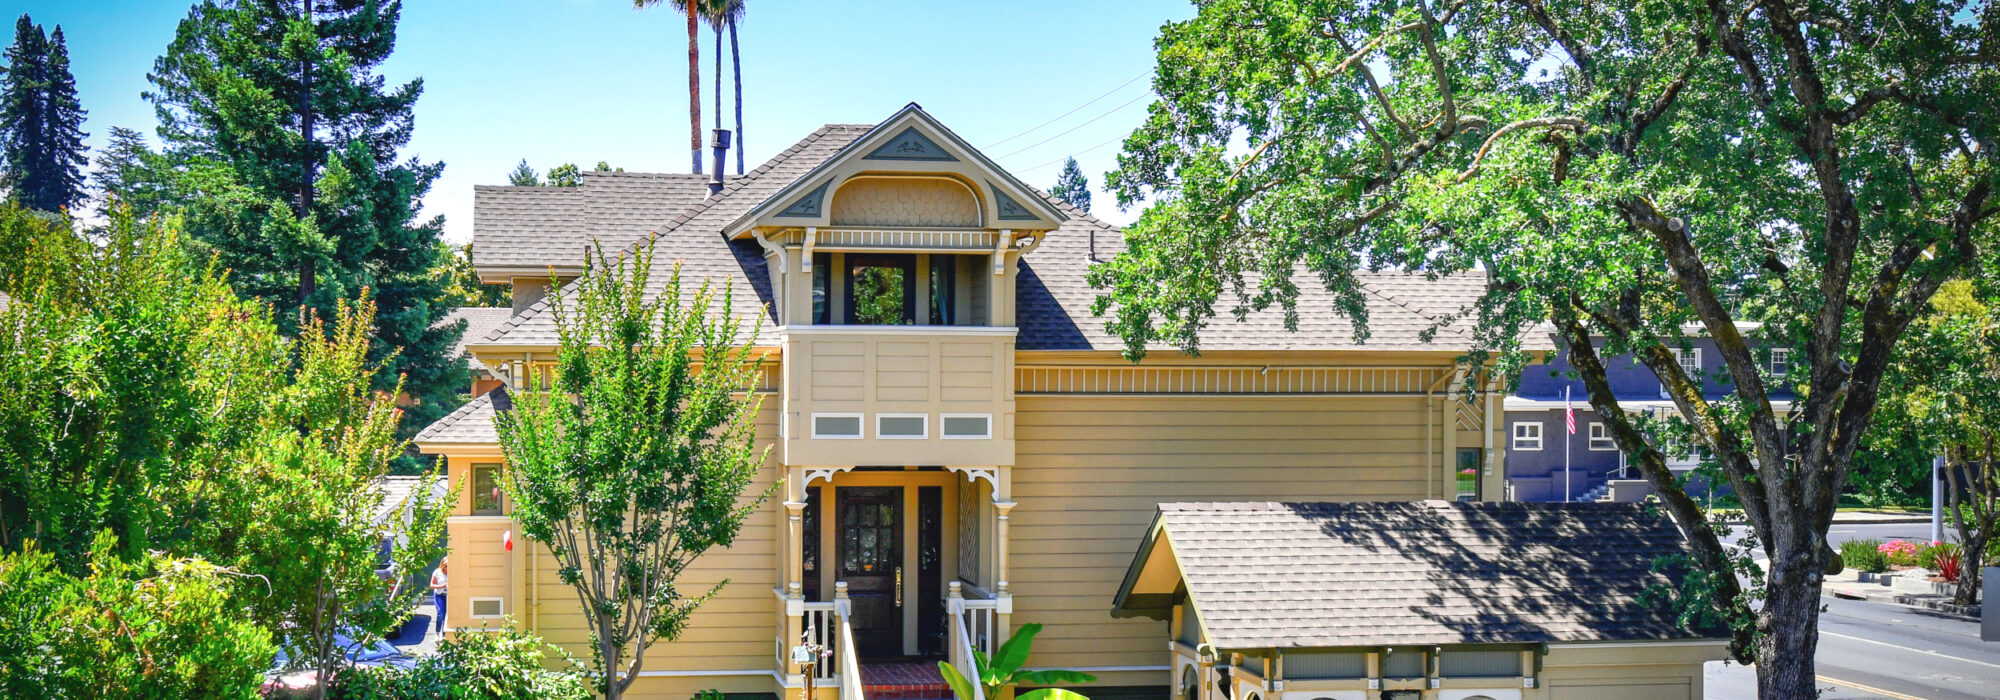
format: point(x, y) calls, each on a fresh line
point(871, 562)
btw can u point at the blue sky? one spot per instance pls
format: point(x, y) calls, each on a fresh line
point(558, 81)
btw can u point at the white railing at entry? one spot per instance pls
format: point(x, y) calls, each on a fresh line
point(822, 628)
point(982, 617)
point(961, 641)
point(850, 667)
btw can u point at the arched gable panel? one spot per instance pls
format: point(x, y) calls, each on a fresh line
point(905, 201)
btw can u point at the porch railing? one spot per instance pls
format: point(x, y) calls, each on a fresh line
point(850, 667)
point(961, 639)
point(982, 618)
point(822, 628)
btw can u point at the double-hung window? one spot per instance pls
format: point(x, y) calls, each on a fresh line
point(1600, 438)
point(1781, 362)
point(1528, 436)
point(1690, 362)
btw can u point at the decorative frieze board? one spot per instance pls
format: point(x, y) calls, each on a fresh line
point(1230, 380)
point(837, 238)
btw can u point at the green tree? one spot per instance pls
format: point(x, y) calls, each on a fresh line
point(1615, 171)
point(42, 121)
point(127, 374)
point(1072, 186)
point(1944, 391)
point(161, 627)
point(565, 175)
point(692, 9)
point(604, 167)
point(462, 286)
point(286, 139)
point(313, 530)
point(130, 173)
point(636, 460)
point(523, 176)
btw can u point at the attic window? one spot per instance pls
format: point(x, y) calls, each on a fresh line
point(967, 426)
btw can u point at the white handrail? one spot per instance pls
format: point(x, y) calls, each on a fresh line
point(961, 642)
point(850, 666)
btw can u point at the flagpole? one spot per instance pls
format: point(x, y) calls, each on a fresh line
point(1567, 418)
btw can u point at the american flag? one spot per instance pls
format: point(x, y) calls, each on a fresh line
point(1569, 412)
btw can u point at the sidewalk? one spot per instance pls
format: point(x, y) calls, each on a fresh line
point(1896, 589)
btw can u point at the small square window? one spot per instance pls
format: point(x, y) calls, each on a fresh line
point(1600, 438)
point(836, 426)
point(1528, 436)
point(902, 426)
point(486, 489)
point(486, 607)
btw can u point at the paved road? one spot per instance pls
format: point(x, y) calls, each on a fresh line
point(1873, 650)
point(1876, 650)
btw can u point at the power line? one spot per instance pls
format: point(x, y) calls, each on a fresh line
point(1072, 154)
point(1060, 134)
point(1059, 117)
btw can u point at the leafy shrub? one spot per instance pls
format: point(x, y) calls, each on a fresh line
point(1864, 555)
point(710, 694)
point(493, 664)
point(1899, 552)
point(157, 628)
point(1948, 560)
point(1927, 554)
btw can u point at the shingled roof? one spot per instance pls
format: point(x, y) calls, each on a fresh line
point(537, 227)
point(1052, 297)
point(1328, 575)
point(479, 321)
point(692, 237)
point(472, 423)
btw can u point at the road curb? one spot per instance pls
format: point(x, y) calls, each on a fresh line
point(1931, 604)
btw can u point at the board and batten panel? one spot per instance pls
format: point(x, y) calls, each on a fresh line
point(732, 631)
point(1090, 472)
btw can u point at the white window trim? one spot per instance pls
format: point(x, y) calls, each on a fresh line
point(925, 434)
point(1591, 433)
point(1680, 358)
point(1775, 362)
point(860, 424)
point(1518, 443)
point(942, 417)
point(471, 603)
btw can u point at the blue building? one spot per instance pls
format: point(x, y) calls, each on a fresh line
point(1537, 439)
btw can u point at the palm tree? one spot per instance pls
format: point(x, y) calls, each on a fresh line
point(694, 71)
point(722, 14)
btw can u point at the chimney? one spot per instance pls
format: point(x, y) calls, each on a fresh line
point(719, 139)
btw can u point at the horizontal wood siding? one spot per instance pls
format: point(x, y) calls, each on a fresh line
point(733, 630)
point(1091, 471)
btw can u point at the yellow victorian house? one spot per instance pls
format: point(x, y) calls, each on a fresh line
point(961, 448)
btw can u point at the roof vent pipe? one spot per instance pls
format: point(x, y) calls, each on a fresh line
point(719, 140)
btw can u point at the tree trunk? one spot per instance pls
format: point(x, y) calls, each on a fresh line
point(1968, 570)
point(609, 653)
point(736, 74)
point(694, 86)
point(1790, 626)
point(308, 272)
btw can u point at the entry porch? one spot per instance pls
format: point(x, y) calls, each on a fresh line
point(888, 570)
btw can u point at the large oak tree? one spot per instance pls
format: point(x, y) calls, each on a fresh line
point(1766, 173)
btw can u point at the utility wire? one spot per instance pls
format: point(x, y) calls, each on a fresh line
point(1072, 154)
point(1060, 134)
point(1059, 117)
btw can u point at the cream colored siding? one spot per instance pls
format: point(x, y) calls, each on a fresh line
point(731, 631)
point(1090, 472)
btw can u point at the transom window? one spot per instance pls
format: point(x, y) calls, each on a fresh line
point(1600, 438)
point(1528, 436)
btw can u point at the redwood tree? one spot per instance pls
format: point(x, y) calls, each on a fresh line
point(1764, 173)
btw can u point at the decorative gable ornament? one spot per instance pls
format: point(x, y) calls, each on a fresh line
point(808, 206)
point(1006, 207)
point(910, 145)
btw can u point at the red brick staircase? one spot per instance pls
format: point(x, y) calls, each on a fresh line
point(903, 680)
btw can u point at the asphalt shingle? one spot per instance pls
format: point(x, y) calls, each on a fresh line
point(1296, 575)
point(472, 423)
point(479, 321)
